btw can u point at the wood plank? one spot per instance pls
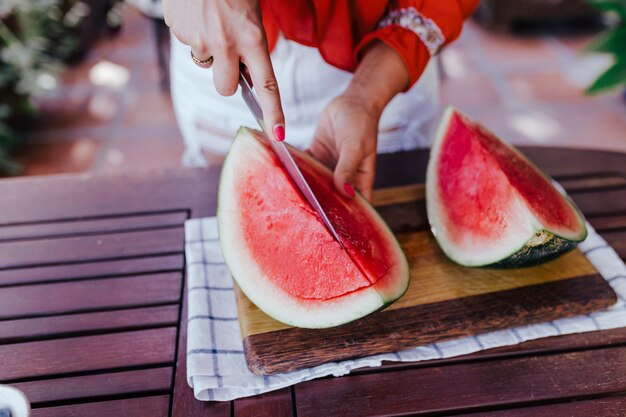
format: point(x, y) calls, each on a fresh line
point(98, 385)
point(184, 403)
point(600, 181)
point(397, 205)
point(89, 295)
point(91, 226)
point(617, 240)
point(453, 388)
point(392, 330)
point(275, 404)
point(93, 247)
point(416, 192)
point(14, 331)
point(87, 353)
point(564, 343)
point(140, 407)
point(405, 217)
point(401, 209)
point(401, 168)
point(542, 346)
point(594, 202)
point(608, 222)
point(54, 197)
point(605, 407)
point(404, 168)
point(559, 162)
point(50, 273)
point(399, 194)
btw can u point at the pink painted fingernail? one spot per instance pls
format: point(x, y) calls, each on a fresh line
point(349, 189)
point(279, 132)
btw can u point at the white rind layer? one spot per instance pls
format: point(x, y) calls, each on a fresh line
point(527, 225)
point(269, 297)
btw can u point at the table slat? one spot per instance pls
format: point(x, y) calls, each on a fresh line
point(21, 330)
point(546, 345)
point(602, 407)
point(92, 247)
point(135, 407)
point(87, 226)
point(462, 386)
point(593, 183)
point(60, 197)
point(405, 216)
point(96, 269)
point(593, 202)
point(275, 404)
point(99, 385)
point(89, 295)
point(607, 223)
point(617, 240)
point(560, 162)
point(184, 403)
point(87, 353)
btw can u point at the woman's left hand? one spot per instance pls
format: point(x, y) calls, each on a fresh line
point(346, 139)
point(348, 128)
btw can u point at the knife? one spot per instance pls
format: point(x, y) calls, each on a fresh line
point(281, 150)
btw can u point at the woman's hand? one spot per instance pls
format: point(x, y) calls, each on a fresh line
point(346, 139)
point(347, 132)
point(230, 31)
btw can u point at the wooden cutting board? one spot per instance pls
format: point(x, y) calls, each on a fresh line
point(444, 300)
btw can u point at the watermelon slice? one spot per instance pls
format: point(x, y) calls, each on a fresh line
point(488, 205)
point(282, 256)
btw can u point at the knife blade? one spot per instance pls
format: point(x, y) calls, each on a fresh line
point(283, 154)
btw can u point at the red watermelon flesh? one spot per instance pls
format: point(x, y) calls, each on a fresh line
point(281, 254)
point(487, 202)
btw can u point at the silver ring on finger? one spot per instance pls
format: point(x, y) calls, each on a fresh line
point(207, 63)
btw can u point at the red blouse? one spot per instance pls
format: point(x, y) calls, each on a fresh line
point(341, 29)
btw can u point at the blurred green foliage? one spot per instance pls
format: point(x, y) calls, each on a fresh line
point(613, 42)
point(36, 38)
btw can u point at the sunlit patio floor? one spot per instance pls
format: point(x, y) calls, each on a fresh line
point(110, 115)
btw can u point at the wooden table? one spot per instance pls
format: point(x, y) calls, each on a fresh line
point(92, 309)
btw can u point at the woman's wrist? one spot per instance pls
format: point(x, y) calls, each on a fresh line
point(381, 75)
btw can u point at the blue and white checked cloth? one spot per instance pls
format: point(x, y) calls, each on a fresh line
point(216, 367)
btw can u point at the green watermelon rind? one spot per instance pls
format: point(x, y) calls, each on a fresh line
point(529, 252)
point(279, 305)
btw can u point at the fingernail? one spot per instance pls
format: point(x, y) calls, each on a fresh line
point(279, 132)
point(349, 189)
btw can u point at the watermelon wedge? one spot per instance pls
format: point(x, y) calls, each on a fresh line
point(488, 205)
point(282, 256)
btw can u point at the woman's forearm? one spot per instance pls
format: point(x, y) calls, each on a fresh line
point(381, 75)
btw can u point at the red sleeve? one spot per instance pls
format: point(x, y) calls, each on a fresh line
point(443, 17)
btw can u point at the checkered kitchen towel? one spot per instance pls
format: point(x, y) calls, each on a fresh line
point(216, 367)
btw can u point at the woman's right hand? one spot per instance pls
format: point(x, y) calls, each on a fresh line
point(230, 31)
